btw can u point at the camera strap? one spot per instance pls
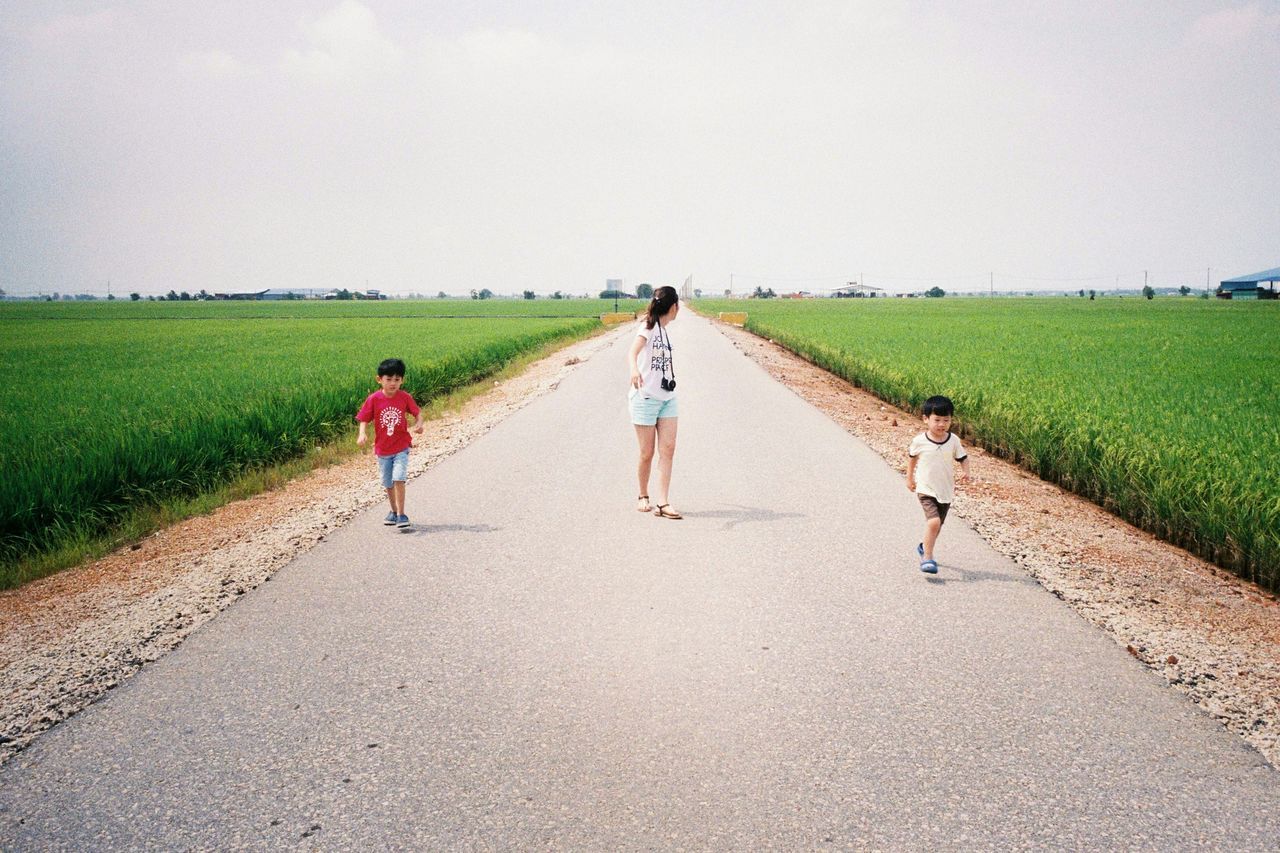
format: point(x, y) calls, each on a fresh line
point(669, 358)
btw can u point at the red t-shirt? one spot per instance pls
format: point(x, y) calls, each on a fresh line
point(390, 426)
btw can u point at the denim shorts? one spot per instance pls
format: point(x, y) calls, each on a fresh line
point(645, 411)
point(394, 469)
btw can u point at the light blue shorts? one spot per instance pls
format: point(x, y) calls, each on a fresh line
point(645, 411)
point(394, 469)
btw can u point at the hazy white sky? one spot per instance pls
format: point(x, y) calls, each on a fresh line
point(513, 145)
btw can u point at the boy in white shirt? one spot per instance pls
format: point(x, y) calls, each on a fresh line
point(931, 473)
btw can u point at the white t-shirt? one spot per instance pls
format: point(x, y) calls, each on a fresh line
point(654, 357)
point(935, 465)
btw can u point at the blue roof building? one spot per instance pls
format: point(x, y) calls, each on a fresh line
point(1251, 286)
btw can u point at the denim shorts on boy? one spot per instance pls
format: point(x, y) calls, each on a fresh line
point(645, 411)
point(394, 469)
point(933, 509)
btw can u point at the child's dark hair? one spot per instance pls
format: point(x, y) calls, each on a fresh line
point(940, 406)
point(391, 367)
point(663, 298)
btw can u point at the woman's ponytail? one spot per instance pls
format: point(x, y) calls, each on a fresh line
point(663, 298)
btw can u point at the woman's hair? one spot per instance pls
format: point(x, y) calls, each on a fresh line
point(663, 298)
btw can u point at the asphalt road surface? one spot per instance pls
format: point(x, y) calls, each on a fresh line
point(536, 664)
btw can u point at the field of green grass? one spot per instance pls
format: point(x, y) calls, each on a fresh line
point(108, 408)
point(1165, 412)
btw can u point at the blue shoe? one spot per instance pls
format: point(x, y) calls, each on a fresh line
point(920, 550)
point(929, 567)
point(390, 519)
point(403, 522)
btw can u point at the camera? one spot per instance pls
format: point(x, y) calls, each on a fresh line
point(668, 384)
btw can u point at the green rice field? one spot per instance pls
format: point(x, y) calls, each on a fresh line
point(1165, 412)
point(107, 408)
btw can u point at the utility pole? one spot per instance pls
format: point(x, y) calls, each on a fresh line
point(992, 277)
point(1144, 280)
point(1208, 277)
point(730, 285)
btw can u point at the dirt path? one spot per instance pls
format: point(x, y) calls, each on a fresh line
point(1209, 633)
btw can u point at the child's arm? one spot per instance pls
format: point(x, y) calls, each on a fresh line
point(964, 471)
point(419, 421)
point(363, 438)
point(911, 472)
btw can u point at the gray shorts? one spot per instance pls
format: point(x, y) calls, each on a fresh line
point(933, 509)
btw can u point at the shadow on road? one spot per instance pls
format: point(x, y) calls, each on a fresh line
point(743, 514)
point(956, 573)
point(423, 529)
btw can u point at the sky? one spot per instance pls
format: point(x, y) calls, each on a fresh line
point(422, 146)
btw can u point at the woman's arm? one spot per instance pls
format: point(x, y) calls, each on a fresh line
point(636, 346)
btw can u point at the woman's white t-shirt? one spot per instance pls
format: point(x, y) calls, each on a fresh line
point(653, 360)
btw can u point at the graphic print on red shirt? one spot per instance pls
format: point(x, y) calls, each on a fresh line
point(390, 426)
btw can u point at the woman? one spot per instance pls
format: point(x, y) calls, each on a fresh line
point(653, 398)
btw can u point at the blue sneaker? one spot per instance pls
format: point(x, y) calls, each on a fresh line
point(390, 519)
point(920, 550)
point(402, 522)
point(929, 567)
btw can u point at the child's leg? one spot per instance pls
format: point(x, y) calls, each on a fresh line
point(932, 526)
point(391, 497)
point(397, 500)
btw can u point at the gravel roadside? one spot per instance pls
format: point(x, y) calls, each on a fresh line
point(67, 639)
point(1210, 634)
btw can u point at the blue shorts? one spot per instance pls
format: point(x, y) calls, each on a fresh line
point(394, 469)
point(645, 411)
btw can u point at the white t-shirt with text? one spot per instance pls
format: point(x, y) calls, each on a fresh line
point(653, 360)
point(935, 465)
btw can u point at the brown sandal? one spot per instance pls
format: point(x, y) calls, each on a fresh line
point(663, 511)
point(646, 507)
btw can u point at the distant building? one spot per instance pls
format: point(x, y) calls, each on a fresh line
point(1251, 286)
point(860, 290)
point(295, 293)
point(613, 284)
point(242, 295)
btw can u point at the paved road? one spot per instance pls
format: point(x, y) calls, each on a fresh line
point(538, 665)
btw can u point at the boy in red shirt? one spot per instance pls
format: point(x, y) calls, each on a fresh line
point(388, 410)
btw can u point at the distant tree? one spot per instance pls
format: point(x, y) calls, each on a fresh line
point(1184, 290)
point(557, 295)
point(134, 297)
point(1148, 291)
point(111, 297)
point(184, 296)
point(172, 296)
point(1082, 293)
point(529, 294)
point(644, 291)
point(345, 295)
point(442, 295)
point(697, 293)
point(475, 294)
point(203, 294)
point(615, 294)
point(1092, 294)
point(291, 296)
point(486, 293)
point(935, 293)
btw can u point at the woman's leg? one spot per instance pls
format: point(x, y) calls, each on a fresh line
point(666, 430)
point(645, 435)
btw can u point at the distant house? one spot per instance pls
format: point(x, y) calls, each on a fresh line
point(294, 293)
point(858, 290)
point(242, 295)
point(1260, 285)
